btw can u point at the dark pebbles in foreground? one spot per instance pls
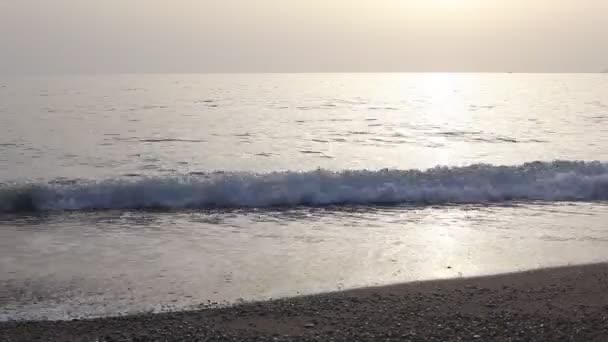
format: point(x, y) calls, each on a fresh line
point(560, 304)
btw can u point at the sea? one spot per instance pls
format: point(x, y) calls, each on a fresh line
point(123, 194)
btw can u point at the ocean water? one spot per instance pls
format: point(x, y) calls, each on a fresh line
point(130, 193)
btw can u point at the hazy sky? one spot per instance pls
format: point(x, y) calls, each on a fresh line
point(90, 36)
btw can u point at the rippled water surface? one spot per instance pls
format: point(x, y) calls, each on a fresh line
point(148, 192)
point(108, 126)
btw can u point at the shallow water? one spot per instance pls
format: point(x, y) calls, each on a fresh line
point(183, 189)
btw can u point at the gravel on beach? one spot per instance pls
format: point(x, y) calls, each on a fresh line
point(559, 304)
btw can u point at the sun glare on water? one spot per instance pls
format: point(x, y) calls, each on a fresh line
point(449, 4)
point(430, 7)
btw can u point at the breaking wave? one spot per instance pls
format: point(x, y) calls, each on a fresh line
point(480, 183)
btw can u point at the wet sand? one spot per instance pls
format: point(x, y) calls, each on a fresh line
point(558, 304)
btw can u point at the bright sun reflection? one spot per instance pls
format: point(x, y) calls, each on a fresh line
point(449, 4)
point(431, 10)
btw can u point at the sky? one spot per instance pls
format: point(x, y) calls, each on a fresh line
point(175, 36)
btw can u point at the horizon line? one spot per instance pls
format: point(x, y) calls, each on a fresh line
point(83, 73)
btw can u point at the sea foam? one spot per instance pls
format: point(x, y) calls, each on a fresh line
point(480, 183)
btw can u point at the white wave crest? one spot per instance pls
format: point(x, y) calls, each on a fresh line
point(481, 183)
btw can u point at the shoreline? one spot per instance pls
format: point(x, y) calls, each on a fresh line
point(566, 303)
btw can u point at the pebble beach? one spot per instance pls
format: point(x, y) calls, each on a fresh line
point(557, 304)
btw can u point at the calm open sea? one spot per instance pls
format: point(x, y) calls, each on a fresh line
point(128, 193)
